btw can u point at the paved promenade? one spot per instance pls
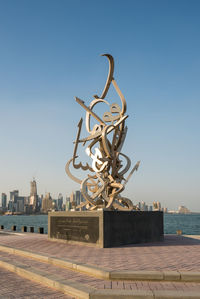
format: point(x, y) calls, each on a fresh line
point(79, 267)
point(175, 253)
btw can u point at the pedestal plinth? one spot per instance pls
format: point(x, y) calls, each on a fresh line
point(106, 228)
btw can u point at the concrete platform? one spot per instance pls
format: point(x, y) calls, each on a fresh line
point(169, 269)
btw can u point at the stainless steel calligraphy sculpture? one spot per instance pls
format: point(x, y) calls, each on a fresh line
point(105, 180)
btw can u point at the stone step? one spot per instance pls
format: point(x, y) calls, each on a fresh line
point(183, 276)
point(70, 288)
point(176, 253)
point(14, 286)
point(82, 292)
point(80, 285)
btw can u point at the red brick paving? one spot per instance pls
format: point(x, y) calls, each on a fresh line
point(88, 280)
point(14, 286)
point(175, 253)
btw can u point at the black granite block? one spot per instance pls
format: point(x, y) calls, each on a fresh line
point(106, 228)
point(124, 227)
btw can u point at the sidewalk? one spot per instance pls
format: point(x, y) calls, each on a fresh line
point(175, 253)
point(76, 270)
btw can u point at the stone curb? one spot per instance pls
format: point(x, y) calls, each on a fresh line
point(84, 292)
point(136, 275)
point(68, 264)
point(70, 288)
point(181, 276)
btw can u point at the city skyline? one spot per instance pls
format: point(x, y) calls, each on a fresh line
point(50, 53)
point(34, 198)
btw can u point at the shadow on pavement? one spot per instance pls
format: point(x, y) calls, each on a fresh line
point(170, 240)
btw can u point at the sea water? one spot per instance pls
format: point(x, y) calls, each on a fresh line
point(189, 223)
point(25, 220)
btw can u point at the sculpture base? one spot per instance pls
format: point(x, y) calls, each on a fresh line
point(106, 228)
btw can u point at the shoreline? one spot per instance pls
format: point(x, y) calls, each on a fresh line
point(40, 214)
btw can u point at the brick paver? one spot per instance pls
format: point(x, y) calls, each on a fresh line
point(175, 253)
point(14, 286)
point(92, 281)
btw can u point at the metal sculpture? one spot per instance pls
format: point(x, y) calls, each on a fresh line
point(105, 181)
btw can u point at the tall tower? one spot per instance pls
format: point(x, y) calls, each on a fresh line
point(60, 202)
point(33, 188)
point(4, 201)
point(33, 199)
point(14, 194)
point(47, 203)
point(77, 197)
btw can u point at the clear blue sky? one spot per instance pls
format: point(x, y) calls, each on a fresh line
point(50, 52)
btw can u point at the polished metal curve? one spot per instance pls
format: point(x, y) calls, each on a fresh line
point(105, 180)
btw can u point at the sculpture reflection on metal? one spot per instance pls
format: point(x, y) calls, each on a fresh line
point(106, 175)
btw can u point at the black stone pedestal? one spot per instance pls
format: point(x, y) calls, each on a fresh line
point(106, 228)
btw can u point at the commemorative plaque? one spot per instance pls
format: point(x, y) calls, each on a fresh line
point(76, 227)
point(81, 229)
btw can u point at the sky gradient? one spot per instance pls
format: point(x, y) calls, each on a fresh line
point(50, 52)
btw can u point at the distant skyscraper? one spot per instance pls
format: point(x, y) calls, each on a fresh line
point(72, 201)
point(4, 201)
point(159, 205)
point(72, 197)
point(19, 204)
point(47, 203)
point(13, 194)
point(143, 206)
point(33, 188)
point(156, 206)
point(68, 204)
point(33, 200)
point(82, 200)
point(16, 202)
point(12, 202)
point(40, 198)
point(54, 204)
point(60, 202)
point(77, 197)
point(183, 210)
